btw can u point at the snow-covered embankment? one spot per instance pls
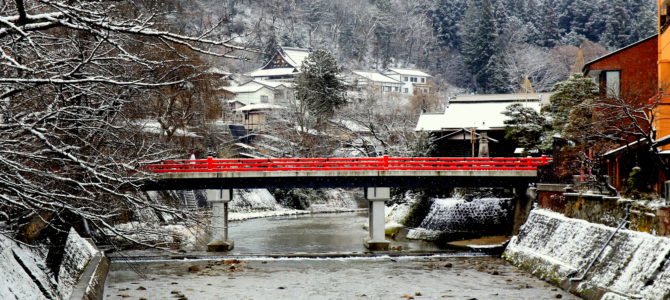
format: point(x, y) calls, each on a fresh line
point(633, 265)
point(25, 274)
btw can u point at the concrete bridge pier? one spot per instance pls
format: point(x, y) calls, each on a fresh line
point(377, 239)
point(219, 199)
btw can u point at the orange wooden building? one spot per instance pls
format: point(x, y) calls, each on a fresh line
point(662, 110)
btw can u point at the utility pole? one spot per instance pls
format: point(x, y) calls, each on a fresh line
point(473, 139)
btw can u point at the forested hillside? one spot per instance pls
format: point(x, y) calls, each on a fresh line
point(482, 45)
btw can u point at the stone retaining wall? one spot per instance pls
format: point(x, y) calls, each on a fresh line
point(633, 265)
point(645, 216)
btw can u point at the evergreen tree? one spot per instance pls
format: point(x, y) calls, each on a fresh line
point(383, 32)
point(571, 115)
point(479, 41)
point(526, 126)
point(643, 24)
point(318, 87)
point(497, 78)
point(446, 17)
point(617, 25)
point(578, 91)
point(547, 25)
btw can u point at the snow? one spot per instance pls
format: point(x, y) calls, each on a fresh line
point(183, 236)
point(376, 77)
point(272, 72)
point(295, 56)
point(410, 72)
point(78, 253)
point(259, 106)
point(456, 214)
point(253, 200)
point(15, 281)
point(155, 128)
point(558, 247)
point(466, 115)
point(240, 89)
point(532, 97)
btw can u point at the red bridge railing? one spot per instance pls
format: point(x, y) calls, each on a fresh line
point(353, 164)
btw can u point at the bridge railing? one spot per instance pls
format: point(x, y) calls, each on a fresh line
point(353, 164)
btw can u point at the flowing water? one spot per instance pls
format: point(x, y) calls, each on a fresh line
point(241, 275)
point(320, 233)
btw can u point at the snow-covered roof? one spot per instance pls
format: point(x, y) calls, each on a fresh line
point(271, 83)
point(410, 72)
point(483, 116)
point(295, 56)
point(631, 144)
point(542, 97)
point(243, 89)
point(258, 106)
point(376, 77)
point(273, 72)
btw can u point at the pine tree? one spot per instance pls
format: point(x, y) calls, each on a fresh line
point(617, 25)
point(479, 41)
point(525, 126)
point(547, 24)
point(318, 87)
point(446, 17)
point(643, 23)
point(577, 91)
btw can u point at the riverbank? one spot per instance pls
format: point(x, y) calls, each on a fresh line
point(434, 277)
point(592, 260)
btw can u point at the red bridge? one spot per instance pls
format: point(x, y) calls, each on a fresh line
point(384, 163)
point(375, 175)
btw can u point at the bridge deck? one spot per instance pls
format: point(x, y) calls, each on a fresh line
point(344, 172)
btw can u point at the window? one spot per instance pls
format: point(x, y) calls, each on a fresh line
point(396, 89)
point(423, 80)
point(412, 79)
point(610, 84)
point(406, 78)
point(406, 90)
point(265, 99)
point(387, 89)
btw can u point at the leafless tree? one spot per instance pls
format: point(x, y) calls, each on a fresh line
point(70, 70)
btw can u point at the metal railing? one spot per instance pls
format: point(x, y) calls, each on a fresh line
point(348, 164)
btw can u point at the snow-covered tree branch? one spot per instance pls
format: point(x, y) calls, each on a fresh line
point(75, 78)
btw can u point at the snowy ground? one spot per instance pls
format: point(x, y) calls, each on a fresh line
point(353, 278)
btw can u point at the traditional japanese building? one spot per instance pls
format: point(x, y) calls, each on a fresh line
point(470, 120)
point(285, 64)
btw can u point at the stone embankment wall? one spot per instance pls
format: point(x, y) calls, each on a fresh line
point(632, 265)
point(644, 216)
point(25, 274)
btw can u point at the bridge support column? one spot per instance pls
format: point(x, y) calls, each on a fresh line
point(377, 239)
point(219, 200)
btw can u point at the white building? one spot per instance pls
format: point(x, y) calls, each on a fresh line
point(285, 65)
point(373, 81)
point(412, 80)
point(259, 92)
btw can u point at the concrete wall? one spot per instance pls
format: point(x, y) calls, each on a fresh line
point(645, 216)
point(633, 265)
point(24, 273)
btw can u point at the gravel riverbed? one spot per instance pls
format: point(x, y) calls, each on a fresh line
point(434, 277)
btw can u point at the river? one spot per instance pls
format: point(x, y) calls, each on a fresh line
point(249, 272)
